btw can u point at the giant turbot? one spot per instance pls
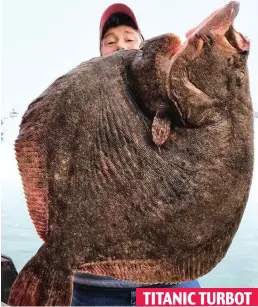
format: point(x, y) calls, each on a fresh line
point(138, 165)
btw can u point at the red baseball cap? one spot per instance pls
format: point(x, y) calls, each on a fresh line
point(113, 9)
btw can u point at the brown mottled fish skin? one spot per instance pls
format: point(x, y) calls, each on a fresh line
point(112, 193)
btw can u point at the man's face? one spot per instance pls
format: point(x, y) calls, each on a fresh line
point(118, 38)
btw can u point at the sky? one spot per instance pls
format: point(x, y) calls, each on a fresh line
point(44, 39)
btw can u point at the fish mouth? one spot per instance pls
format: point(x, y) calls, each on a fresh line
point(237, 40)
point(226, 17)
point(220, 24)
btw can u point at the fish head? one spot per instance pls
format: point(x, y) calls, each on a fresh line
point(209, 70)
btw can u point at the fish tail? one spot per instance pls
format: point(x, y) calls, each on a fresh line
point(39, 285)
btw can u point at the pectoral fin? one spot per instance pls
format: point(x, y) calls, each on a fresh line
point(160, 130)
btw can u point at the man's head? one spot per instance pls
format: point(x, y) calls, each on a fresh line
point(119, 29)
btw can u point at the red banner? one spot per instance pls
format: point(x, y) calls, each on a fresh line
point(197, 297)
